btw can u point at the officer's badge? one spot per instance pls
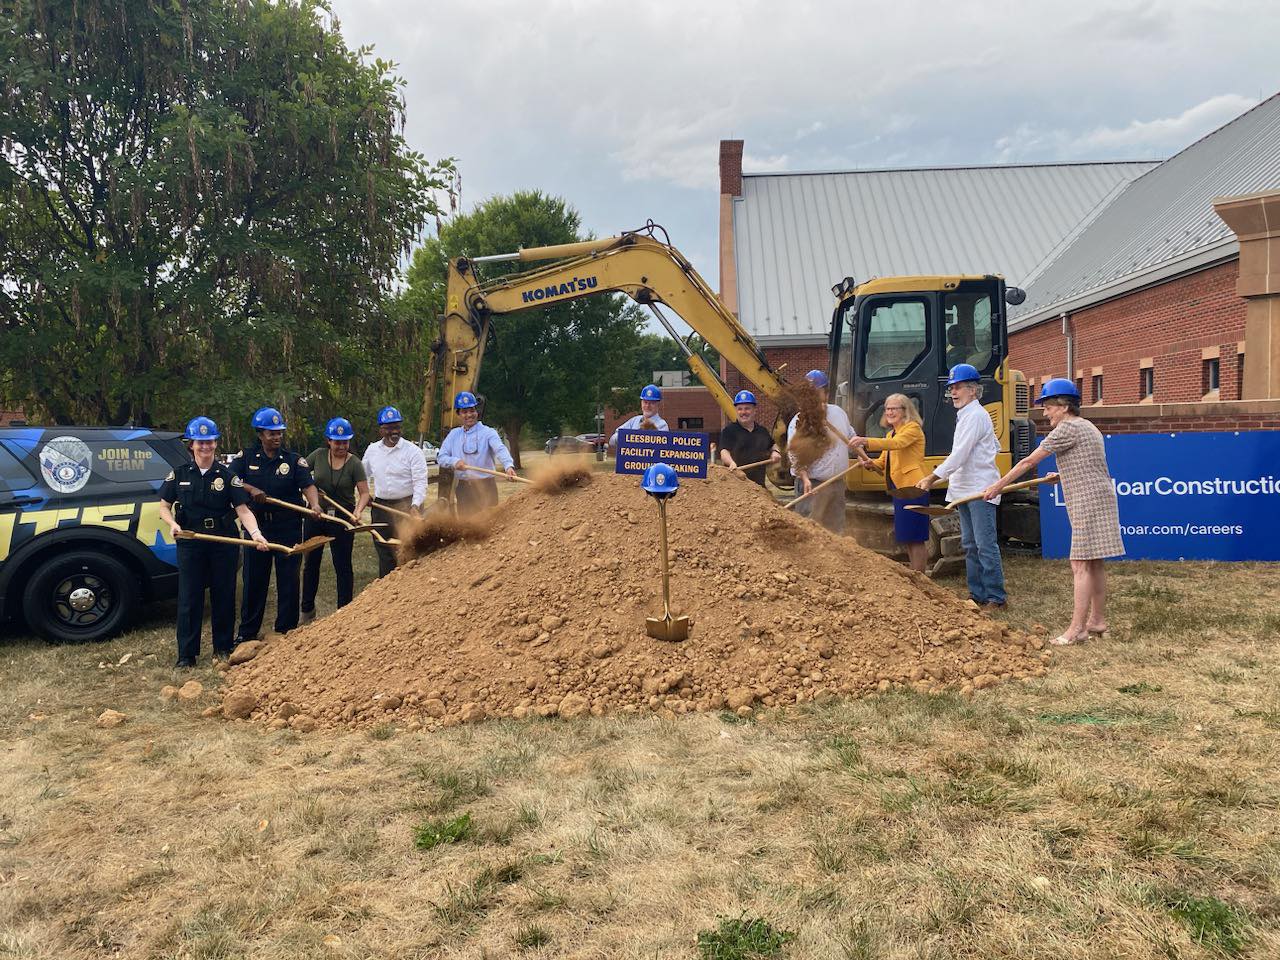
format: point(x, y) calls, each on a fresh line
point(302, 462)
point(660, 480)
point(284, 470)
point(275, 418)
point(218, 484)
point(237, 482)
point(169, 477)
point(204, 429)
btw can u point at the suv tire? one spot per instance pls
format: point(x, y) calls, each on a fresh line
point(84, 595)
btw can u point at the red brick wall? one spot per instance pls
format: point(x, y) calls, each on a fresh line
point(1171, 323)
point(677, 402)
point(794, 362)
point(1179, 417)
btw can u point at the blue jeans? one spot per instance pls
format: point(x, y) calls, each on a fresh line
point(981, 551)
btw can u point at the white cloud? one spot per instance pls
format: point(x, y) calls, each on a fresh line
point(1167, 134)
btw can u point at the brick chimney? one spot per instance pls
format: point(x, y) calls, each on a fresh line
point(731, 167)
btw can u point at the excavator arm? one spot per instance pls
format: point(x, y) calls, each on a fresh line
point(650, 272)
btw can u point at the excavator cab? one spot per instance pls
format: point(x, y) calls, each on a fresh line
point(903, 335)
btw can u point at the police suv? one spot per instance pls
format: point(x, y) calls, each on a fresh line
point(81, 540)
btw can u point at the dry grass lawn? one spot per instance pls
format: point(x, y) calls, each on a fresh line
point(1125, 806)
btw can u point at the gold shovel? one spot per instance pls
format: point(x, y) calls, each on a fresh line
point(933, 510)
point(666, 627)
point(331, 518)
point(358, 526)
point(306, 546)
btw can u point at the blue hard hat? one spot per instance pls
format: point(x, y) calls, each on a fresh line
point(201, 428)
point(660, 480)
point(743, 396)
point(651, 392)
point(268, 418)
point(817, 378)
point(963, 373)
point(465, 400)
point(389, 415)
point(1059, 387)
point(339, 428)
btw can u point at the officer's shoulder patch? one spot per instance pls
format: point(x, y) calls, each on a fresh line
point(302, 462)
point(171, 476)
point(236, 481)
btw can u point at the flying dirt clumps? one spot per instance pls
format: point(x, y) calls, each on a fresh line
point(545, 617)
point(811, 438)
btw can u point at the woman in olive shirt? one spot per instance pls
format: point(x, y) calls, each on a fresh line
point(340, 476)
point(903, 456)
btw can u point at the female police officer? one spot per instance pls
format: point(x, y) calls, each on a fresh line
point(269, 470)
point(204, 494)
point(340, 476)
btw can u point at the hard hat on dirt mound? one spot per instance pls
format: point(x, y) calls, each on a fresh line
point(201, 428)
point(1059, 387)
point(817, 378)
point(389, 415)
point(963, 373)
point(651, 392)
point(339, 428)
point(466, 400)
point(743, 396)
point(660, 480)
point(268, 418)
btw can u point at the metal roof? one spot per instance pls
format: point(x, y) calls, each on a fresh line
point(1162, 224)
point(795, 234)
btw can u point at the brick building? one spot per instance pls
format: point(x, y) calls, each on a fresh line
point(1133, 270)
point(1146, 303)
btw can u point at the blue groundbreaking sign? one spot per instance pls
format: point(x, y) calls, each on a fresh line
point(1184, 496)
point(687, 453)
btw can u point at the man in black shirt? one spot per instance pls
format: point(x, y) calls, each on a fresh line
point(746, 441)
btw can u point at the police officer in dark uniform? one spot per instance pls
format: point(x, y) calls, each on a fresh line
point(205, 497)
point(268, 470)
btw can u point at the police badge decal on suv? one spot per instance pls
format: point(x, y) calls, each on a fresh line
point(81, 542)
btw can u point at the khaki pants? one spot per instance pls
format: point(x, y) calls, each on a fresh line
point(826, 506)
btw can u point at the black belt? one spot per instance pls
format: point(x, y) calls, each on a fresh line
point(208, 523)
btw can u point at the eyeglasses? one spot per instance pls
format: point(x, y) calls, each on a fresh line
point(895, 408)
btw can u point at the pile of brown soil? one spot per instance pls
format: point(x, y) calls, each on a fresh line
point(546, 617)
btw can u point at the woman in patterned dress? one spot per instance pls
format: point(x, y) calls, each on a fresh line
point(1091, 503)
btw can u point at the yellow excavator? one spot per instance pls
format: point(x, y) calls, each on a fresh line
point(888, 335)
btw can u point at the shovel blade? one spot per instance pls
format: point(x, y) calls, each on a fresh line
point(669, 628)
point(930, 510)
point(311, 543)
point(367, 526)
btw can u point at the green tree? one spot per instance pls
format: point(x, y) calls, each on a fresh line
point(202, 207)
point(660, 352)
point(549, 367)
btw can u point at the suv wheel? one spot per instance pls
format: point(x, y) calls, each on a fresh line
point(80, 596)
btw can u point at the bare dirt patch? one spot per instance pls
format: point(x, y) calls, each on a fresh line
point(546, 616)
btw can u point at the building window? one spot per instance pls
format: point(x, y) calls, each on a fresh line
point(1080, 385)
point(1097, 388)
point(1209, 375)
point(689, 423)
point(1240, 375)
point(1147, 382)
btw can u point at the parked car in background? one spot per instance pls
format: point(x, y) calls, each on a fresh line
point(81, 540)
point(430, 451)
point(597, 440)
point(568, 445)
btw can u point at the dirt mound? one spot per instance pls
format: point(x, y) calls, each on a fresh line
point(546, 616)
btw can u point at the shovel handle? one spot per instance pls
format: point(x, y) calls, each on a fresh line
point(356, 526)
point(233, 541)
point(744, 467)
point(825, 483)
point(1024, 485)
point(393, 510)
point(305, 511)
point(492, 473)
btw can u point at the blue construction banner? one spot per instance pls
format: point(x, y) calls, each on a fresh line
point(688, 453)
point(1184, 496)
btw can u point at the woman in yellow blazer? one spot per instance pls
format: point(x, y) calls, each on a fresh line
point(902, 454)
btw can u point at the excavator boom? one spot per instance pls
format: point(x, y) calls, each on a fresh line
point(649, 271)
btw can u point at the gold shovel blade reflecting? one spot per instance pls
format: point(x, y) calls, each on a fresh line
point(311, 543)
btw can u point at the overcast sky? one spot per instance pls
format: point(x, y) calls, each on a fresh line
point(620, 106)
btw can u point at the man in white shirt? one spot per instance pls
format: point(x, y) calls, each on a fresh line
point(397, 471)
point(970, 468)
point(827, 505)
point(648, 418)
point(474, 444)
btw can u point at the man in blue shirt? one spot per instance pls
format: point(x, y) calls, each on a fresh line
point(476, 445)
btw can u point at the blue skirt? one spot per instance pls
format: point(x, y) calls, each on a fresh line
point(909, 526)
